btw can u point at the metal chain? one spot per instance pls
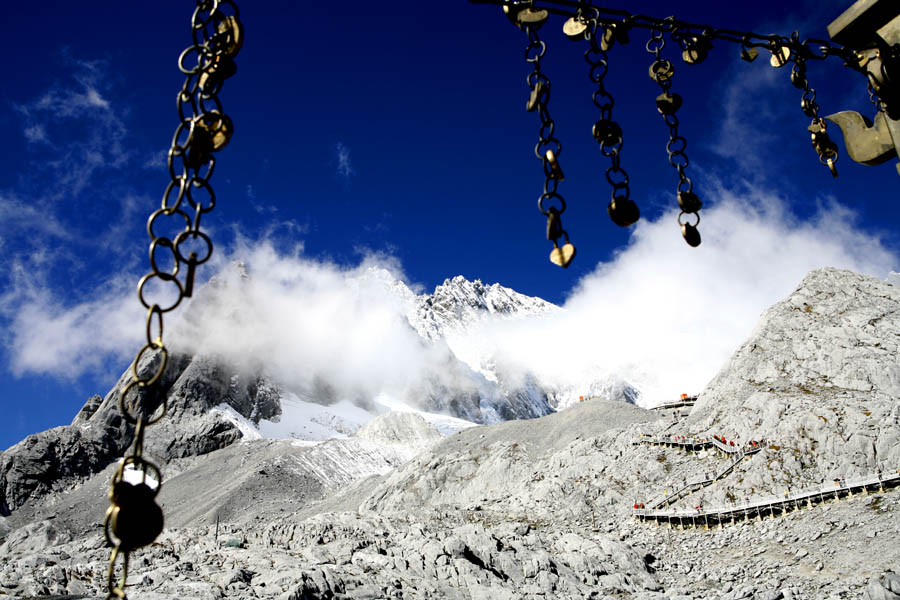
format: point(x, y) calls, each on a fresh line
point(824, 146)
point(548, 148)
point(622, 210)
point(668, 103)
point(881, 68)
point(815, 49)
point(134, 520)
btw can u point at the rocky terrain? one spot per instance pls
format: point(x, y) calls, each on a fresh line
point(537, 508)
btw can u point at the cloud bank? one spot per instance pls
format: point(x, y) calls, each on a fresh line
point(665, 316)
point(660, 314)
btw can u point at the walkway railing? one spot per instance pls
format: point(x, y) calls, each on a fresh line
point(770, 505)
point(689, 401)
point(689, 487)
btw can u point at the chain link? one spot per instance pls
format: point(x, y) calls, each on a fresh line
point(667, 104)
point(133, 519)
point(824, 146)
point(622, 210)
point(548, 148)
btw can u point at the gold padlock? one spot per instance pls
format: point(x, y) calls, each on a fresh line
point(230, 36)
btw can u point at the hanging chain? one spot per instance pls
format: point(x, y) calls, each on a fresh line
point(548, 148)
point(881, 68)
point(133, 518)
point(622, 210)
point(668, 103)
point(818, 128)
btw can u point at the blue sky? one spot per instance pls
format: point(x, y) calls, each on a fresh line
point(391, 130)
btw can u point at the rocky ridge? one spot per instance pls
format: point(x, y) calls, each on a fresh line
point(541, 508)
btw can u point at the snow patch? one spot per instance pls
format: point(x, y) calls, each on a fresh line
point(445, 424)
point(244, 425)
point(302, 420)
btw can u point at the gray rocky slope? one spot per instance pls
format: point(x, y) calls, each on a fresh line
point(538, 508)
point(194, 386)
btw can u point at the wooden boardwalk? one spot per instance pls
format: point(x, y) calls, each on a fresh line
point(737, 454)
point(682, 402)
point(770, 506)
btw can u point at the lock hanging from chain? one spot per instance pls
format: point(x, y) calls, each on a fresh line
point(667, 105)
point(548, 147)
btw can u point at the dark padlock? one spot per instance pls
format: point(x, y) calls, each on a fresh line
point(623, 212)
point(136, 518)
point(668, 103)
point(749, 54)
point(607, 132)
point(798, 79)
point(690, 235)
point(220, 69)
point(696, 52)
point(199, 150)
point(689, 202)
point(612, 34)
point(554, 224)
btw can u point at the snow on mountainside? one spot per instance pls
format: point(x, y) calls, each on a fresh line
point(460, 305)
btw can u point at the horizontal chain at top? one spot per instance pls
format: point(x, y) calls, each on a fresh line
point(809, 49)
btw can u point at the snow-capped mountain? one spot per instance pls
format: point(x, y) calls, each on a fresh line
point(309, 356)
point(459, 305)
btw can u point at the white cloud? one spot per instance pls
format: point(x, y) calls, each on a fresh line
point(49, 336)
point(76, 105)
point(663, 315)
point(344, 166)
point(666, 316)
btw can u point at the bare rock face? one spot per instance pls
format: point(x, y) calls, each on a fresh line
point(819, 380)
point(400, 429)
point(99, 434)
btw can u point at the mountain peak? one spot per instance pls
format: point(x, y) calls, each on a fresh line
point(458, 304)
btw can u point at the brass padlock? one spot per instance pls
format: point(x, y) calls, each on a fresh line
point(575, 29)
point(623, 212)
point(689, 202)
point(218, 127)
point(526, 18)
point(229, 37)
point(555, 168)
point(780, 57)
point(690, 235)
point(136, 518)
point(668, 103)
point(749, 54)
point(538, 96)
point(662, 70)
